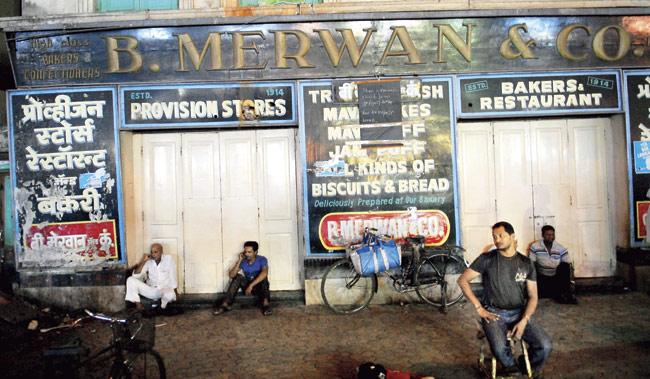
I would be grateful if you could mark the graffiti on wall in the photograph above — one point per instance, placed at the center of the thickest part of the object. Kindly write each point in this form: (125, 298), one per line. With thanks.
(368, 166)
(66, 166)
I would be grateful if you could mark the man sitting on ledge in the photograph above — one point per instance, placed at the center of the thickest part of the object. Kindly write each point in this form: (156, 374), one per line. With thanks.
(253, 279)
(154, 277)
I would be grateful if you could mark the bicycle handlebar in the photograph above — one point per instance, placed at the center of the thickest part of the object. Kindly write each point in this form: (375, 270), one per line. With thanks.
(103, 317)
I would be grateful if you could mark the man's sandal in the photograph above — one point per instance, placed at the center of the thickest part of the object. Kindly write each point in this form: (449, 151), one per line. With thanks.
(220, 310)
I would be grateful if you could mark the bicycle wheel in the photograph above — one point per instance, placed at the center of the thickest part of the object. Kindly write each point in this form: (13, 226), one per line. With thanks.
(430, 276)
(345, 291)
(145, 365)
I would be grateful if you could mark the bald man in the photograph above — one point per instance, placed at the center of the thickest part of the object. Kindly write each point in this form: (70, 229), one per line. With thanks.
(154, 277)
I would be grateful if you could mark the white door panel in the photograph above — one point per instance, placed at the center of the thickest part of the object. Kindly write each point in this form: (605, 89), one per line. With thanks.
(202, 213)
(545, 172)
(595, 253)
(239, 194)
(278, 213)
(476, 183)
(551, 177)
(204, 200)
(514, 178)
(161, 196)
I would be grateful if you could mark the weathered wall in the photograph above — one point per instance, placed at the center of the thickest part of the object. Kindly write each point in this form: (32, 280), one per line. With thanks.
(103, 299)
(230, 7)
(10, 8)
(56, 7)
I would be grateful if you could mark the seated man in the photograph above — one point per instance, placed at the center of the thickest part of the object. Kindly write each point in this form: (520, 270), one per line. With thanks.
(154, 277)
(553, 267)
(255, 270)
(509, 301)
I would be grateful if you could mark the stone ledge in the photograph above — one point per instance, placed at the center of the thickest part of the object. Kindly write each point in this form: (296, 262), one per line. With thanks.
(71, 278)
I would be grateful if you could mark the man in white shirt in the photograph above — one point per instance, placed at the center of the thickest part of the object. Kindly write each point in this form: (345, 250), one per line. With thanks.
(154, 277)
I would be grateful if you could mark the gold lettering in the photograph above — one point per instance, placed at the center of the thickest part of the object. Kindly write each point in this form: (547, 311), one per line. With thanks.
(185, 44)
(238, 48)
(304, 44)
(562, 42)
(624, 43)
(514, 38)
(463, 47)
(113, 54)
(335, 52)
(408, 48)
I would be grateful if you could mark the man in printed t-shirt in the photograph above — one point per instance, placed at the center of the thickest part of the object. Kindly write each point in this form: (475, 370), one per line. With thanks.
(509, 301)
(250, 273)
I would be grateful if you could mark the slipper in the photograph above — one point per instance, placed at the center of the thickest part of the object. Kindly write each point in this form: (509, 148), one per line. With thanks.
(220, 310)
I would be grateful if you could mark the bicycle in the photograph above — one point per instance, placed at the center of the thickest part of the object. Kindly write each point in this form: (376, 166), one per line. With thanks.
(430, 272)
(131, 350)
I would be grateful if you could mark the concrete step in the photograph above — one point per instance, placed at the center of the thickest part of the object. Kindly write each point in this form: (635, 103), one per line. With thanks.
(207, 300)
(604, 285)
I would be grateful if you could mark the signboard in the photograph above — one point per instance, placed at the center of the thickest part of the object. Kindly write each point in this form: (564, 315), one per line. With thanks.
(379, 101)
(66, 177)
(207, 105)
(354, 179)
(637, 85)
(532, 95)
(329, 49)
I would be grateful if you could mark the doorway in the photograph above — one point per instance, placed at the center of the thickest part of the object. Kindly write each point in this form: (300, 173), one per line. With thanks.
(203, 194)
(532, 173)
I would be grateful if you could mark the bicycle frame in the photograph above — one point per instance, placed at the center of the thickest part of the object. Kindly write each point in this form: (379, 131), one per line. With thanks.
(427, 272)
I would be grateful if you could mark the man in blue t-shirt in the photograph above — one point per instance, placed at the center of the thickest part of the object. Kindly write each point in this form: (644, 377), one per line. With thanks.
(250, 273)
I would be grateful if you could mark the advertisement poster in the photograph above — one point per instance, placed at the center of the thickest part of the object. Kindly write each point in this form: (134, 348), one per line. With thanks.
(637, 84)
(66, 176)
(395, 175)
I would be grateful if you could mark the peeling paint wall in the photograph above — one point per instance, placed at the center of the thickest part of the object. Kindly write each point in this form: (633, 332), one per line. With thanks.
(66, 176)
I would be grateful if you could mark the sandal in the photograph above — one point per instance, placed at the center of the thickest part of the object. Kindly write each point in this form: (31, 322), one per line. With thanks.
(220, 310)
(266, 311)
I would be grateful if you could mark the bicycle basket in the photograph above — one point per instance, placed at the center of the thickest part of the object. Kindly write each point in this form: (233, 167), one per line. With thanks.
(138, 334)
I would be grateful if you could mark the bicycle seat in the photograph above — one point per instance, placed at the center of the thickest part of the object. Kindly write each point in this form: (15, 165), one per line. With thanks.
(415, 239)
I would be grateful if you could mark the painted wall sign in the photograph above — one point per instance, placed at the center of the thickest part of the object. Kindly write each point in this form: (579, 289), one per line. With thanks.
(401, 186)
(536, 94)
(637, 99)
(330, 49)
(66, 176)
(207, 105)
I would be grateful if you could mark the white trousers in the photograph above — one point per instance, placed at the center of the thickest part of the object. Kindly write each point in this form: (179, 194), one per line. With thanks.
(136, 287)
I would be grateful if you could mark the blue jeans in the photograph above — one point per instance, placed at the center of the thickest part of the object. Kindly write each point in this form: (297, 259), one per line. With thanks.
(539, 343)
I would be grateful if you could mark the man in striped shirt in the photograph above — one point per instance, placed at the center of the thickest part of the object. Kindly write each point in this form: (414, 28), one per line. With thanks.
(553, 267)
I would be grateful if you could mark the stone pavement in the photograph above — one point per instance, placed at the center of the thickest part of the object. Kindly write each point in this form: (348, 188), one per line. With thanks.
(605, 336)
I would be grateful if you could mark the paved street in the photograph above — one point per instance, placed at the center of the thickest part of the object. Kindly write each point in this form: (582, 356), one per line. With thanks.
(605, 336)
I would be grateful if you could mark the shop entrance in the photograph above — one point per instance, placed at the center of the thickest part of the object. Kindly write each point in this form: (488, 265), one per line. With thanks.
(531, 173)
(204, 194)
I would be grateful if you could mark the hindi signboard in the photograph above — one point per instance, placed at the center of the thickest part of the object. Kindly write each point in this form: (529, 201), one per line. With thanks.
(355, 179)
(66, 177)
(637, 84)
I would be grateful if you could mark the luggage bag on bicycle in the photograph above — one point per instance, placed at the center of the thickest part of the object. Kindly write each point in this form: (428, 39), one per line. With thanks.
(376, 256)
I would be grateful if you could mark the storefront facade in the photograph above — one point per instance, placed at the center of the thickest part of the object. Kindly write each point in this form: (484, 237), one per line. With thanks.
(299, 134)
